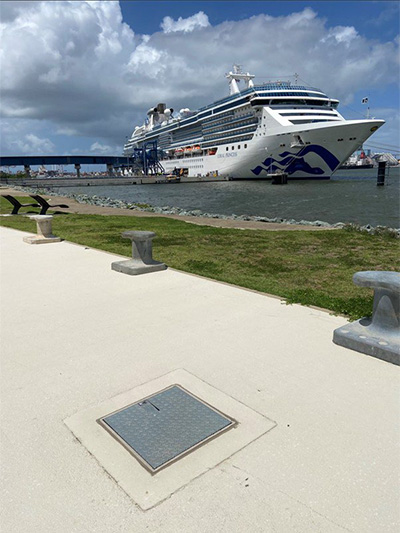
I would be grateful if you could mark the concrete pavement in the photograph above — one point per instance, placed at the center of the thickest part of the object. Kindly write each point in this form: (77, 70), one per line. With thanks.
(317, 444)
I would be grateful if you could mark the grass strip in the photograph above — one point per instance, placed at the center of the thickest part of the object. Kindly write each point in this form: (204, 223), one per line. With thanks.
(306, 267)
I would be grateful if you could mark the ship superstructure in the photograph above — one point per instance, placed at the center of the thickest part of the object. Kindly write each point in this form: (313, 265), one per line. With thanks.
(255, 131)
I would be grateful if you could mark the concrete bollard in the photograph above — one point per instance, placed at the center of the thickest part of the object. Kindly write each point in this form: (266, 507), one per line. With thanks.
(44, 231)
(380, 335)
(78, 170)
(142, 260)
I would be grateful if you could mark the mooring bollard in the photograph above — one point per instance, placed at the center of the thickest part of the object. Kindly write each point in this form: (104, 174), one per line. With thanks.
(381, 173)
(380, 335)
(279, 178)
(44, 231)
(142, 255)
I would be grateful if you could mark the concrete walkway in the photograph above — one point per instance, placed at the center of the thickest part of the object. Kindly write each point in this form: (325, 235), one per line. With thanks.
(317, 444)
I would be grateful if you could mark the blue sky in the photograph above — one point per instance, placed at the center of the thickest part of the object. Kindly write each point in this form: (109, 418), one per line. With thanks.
(373, 19)
(81, 75)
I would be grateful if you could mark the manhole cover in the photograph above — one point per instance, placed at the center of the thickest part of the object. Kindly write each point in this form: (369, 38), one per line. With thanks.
(165, 426)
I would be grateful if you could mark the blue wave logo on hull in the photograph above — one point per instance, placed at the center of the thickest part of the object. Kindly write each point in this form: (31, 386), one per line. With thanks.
(295, 162)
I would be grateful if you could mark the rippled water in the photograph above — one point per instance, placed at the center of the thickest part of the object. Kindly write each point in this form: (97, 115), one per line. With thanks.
(350, 196)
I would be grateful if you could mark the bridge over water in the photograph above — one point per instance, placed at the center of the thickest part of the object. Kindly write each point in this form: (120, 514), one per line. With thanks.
(145, 158)
(111, 162)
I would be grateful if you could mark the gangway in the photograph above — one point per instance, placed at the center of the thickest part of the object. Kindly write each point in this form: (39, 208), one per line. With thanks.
(146, 159)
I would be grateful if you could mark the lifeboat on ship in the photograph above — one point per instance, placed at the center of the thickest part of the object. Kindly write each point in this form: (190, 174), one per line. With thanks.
(179, 152)
(196, 149)
(188, 150)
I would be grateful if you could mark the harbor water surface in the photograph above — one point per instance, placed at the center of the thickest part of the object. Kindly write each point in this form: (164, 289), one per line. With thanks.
(349, 196)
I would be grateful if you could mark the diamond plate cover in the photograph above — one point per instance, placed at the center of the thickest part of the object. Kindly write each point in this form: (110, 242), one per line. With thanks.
(164, 426)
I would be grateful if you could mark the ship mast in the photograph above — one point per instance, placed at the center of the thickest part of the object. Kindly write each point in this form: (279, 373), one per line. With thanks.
(236, 76)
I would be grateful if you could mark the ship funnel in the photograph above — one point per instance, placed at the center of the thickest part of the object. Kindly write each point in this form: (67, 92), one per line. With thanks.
(236, 76)
(161, 108)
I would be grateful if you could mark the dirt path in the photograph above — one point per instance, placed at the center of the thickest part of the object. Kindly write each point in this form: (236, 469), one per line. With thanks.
(87, 209)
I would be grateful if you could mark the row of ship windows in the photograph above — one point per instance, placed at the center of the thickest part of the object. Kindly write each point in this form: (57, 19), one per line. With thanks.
(230, 133)
(216, 122)
(246, 125)
(278, 104)
(248, 116)
(187, 131)
(222, 115)
(314, 120)
(217, 143)
(293, 93)
(238, 147)
(295, 114)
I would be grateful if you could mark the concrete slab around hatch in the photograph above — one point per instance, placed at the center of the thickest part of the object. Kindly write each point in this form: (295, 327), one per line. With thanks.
(148, 490)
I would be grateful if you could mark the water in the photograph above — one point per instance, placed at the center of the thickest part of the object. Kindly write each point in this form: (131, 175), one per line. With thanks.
(349, 196)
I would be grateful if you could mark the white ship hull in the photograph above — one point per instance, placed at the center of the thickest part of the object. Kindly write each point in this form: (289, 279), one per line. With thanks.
(324, 150)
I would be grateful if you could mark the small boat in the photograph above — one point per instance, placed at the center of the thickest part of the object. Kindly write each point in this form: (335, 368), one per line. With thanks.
(196, 149)
(179, 152)
(173, 178)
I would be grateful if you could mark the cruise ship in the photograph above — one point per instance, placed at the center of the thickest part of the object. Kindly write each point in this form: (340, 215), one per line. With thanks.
(256, 131)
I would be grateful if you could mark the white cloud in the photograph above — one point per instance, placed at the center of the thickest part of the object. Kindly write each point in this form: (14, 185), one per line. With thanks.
(67, 131)
(345, 34)
(75, 68)
(296, 20)
(30, 144)
(200, 20)
(342, 34)
(148, 58)
(102, 149)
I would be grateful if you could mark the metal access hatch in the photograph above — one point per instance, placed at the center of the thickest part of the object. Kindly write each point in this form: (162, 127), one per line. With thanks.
(161, 428)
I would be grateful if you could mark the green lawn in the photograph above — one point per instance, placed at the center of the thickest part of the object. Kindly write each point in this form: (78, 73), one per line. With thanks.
(308, 267)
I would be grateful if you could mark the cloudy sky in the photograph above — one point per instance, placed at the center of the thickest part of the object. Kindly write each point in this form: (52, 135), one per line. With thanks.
(76, 77)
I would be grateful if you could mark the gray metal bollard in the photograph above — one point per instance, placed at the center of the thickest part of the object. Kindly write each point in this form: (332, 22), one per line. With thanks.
(44, 231)
(379, 336)
(142, 255)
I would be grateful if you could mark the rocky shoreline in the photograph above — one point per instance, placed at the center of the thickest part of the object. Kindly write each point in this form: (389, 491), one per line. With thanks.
(103, 201)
